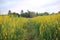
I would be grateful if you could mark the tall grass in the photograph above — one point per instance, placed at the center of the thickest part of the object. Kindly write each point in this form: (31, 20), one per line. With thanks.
(38, 28)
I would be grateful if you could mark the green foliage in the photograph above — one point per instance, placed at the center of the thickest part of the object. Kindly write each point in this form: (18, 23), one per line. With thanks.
(39, 28)
(28, 14)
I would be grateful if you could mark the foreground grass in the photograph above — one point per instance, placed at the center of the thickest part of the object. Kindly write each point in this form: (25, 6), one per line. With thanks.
(38, 28)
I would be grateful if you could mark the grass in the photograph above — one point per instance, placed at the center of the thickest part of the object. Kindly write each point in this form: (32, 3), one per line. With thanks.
(37, 28)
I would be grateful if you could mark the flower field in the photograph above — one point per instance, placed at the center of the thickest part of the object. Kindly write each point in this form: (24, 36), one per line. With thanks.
(37, 28)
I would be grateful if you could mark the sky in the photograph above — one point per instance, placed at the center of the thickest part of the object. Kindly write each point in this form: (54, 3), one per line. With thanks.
(32, 5)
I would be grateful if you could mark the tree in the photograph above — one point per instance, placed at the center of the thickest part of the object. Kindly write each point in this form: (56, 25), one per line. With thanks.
(9, 12)
(58, 11)
(15, 14)
(37, 14)
(27, 14)
(31, 14)
(21, 13)
(52, 13)
(46, 13)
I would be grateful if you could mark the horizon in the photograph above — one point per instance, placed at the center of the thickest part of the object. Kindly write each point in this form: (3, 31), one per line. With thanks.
(32, 5)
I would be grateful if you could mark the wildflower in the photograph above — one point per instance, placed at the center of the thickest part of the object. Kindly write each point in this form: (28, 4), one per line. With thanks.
(12, 30)
(3, 27)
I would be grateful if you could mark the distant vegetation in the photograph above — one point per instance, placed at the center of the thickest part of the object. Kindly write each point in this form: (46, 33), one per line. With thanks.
(28, 14)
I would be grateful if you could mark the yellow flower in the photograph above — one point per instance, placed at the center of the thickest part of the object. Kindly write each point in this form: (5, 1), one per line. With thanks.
(3, 27)
(5, 37)
(12, 30)
(5, 33)
(56, 38)
(11, 36)
(59, 29)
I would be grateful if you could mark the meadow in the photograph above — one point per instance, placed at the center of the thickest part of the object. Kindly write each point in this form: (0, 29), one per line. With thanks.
(37, 28)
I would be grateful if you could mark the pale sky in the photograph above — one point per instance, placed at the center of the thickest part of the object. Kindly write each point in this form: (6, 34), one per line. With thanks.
(32, 5)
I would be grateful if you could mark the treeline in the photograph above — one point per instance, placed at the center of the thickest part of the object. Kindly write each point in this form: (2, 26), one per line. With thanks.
(28, 14)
